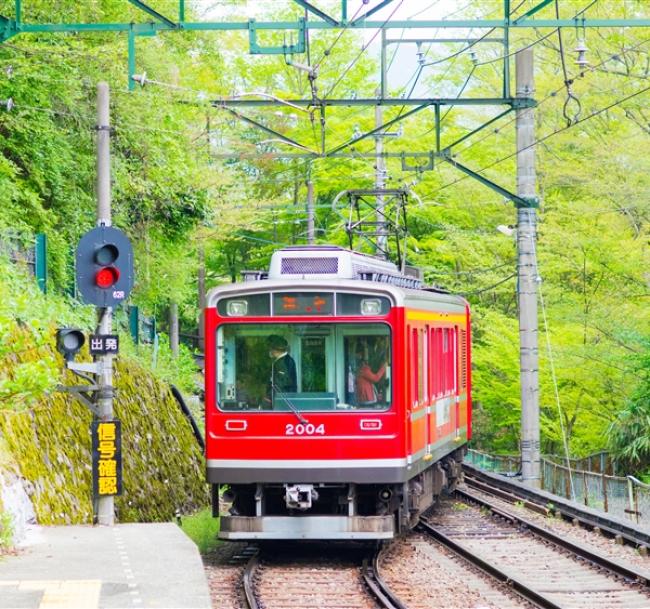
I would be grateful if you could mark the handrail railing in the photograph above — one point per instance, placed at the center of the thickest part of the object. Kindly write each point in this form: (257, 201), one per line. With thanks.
(624, 496)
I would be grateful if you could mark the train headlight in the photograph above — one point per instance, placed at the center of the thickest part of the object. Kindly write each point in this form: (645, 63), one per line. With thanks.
(237, 308)
(370, 306)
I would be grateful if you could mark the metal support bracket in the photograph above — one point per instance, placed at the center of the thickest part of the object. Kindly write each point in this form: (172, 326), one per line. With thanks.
(155, 14)
(285, 49)
(518, 103)
(316, 11)
(92, 368)
(532, 11)
(419, 168)
(516, 199)
(78, 391)
(371, 12)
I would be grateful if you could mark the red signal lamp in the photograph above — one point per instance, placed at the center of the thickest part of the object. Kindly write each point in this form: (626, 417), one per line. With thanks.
(107, 277)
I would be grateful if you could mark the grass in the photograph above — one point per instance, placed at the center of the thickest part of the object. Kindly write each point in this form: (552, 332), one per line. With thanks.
(6, 532)
(202, 529)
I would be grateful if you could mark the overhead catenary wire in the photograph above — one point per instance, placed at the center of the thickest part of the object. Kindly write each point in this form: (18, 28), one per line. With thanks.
(548, 136)
(363, 50)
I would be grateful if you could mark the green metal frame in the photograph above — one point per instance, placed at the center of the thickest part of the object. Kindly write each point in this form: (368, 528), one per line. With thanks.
(316, 11)
(10, 27)
(154, 13)
(134, 323)
(40, 261)
(286, 49)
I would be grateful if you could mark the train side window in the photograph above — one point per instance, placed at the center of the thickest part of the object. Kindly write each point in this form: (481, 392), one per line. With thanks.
(367, 367)
(421, 367)
(431, 364)
(414, 359)
(455, 359)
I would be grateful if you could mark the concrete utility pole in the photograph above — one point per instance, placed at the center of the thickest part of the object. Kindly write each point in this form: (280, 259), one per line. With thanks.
(201, 290)
(380, 182)
(105, 504)
(527, 274)
(310, 212)
(380, 164)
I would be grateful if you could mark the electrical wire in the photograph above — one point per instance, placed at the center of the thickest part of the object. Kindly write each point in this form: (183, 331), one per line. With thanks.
(364, 47)
(489, 288)
(567, 81)
(554, 93)
(548, 136)
(328, 51)
(551, 360)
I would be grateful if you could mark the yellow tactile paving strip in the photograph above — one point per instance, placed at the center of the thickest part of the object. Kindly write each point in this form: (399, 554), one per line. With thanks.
(62, 594)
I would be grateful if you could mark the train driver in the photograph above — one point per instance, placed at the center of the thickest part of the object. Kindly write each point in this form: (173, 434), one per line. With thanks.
(283, 368)
(366, 379)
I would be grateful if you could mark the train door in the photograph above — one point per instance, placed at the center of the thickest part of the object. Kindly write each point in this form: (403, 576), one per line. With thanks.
(456, 394)
(417, 399)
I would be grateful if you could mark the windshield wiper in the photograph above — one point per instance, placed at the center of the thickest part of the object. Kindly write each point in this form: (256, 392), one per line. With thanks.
(289, 404)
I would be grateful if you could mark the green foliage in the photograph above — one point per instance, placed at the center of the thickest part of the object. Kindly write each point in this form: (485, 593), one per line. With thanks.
(180, 371)
(175, 201)
(202, 528)
(26, 325)
(6, 531)
(50, 445)
(629, 433)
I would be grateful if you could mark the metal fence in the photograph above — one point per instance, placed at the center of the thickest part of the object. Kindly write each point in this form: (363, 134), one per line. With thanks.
(622, 496)
(22, 247)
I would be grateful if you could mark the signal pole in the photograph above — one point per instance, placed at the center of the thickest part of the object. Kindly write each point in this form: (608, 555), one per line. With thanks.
(527, 274)
(105, 503)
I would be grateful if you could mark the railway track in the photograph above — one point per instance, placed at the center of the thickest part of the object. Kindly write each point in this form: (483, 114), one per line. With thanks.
(302, 577)
(545, 503)
(546, 569)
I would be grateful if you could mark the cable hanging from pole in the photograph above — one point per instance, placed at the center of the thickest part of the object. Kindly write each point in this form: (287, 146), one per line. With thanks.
(571, 97)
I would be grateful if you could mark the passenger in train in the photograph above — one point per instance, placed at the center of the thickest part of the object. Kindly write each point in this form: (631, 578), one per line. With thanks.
(366, 379)
(283, 368)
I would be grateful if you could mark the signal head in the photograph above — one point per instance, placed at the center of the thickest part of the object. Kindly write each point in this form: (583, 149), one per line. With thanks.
(104, 266)
(107, 276)
(106, 254)
(69, 341)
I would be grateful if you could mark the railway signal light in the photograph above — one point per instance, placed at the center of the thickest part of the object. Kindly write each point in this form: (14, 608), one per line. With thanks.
(104, 266)
(69, 341)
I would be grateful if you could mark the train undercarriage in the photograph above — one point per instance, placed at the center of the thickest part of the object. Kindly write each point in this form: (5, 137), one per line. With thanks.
(332, 510)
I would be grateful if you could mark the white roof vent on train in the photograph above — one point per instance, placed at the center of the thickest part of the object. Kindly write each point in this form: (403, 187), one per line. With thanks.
(333, 262)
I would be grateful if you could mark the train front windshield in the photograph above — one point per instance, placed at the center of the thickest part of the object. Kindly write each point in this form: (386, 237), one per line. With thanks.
(308, 367)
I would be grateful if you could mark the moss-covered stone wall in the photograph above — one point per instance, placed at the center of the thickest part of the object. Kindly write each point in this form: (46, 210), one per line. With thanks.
(49, 444)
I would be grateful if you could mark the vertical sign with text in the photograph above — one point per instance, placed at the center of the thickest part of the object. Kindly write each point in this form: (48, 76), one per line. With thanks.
(107, 458)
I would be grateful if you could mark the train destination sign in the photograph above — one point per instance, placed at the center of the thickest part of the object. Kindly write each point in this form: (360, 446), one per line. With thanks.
(107, 457)
(303, 303)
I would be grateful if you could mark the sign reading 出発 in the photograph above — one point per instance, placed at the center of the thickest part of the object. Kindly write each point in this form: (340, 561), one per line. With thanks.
(107, 458)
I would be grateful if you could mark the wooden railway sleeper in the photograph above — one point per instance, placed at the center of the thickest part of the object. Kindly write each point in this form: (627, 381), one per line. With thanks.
(610, 564)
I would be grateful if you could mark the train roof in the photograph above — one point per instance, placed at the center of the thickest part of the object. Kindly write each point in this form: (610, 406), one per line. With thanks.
(328, 267)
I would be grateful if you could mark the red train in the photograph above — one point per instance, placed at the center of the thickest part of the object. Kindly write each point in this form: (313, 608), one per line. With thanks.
(338, 397)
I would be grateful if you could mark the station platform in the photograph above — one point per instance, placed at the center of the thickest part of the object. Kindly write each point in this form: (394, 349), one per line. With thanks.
(85, 567)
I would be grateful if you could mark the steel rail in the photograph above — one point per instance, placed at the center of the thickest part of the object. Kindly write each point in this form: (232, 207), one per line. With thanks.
(610, 564)
(377, 586)
(531, 595)
(544, 502)
(247, 582)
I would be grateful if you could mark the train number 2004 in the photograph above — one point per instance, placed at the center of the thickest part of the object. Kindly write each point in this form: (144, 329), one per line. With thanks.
(304, 430)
